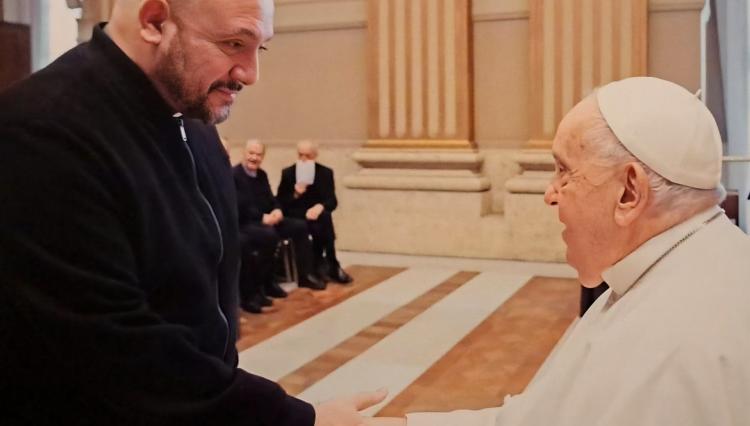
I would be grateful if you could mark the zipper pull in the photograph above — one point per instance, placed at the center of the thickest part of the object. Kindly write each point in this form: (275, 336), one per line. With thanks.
(182, 129)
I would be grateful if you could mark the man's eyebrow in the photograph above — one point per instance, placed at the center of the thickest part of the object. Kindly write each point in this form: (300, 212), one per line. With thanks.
(558, 159)
(243, 32)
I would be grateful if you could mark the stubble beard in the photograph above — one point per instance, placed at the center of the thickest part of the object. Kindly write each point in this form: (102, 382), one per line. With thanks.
(171, 74)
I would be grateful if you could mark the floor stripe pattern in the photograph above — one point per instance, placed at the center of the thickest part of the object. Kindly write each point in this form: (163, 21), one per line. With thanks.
(325, 364)
(292, 348)
(437, 338)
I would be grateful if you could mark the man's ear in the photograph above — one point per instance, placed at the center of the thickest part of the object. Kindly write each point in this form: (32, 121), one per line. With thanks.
(152, 15)
(634, 195)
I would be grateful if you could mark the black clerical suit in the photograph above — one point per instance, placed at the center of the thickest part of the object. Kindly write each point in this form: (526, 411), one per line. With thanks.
(322, 191)
(119, 258)
(259, 241)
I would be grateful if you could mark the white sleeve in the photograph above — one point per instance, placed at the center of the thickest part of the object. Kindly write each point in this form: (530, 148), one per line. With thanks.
(485, 417)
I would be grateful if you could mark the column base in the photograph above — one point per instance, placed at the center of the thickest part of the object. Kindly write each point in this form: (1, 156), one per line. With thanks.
(423, 170)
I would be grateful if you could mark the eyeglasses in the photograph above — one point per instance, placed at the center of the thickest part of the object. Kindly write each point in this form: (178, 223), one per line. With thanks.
(564, 177)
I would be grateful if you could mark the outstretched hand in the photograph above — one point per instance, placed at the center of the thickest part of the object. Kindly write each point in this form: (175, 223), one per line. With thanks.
(345, 411)
(386, 421)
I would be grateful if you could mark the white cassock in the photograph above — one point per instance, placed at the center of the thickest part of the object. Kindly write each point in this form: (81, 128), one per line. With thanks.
(668, 344)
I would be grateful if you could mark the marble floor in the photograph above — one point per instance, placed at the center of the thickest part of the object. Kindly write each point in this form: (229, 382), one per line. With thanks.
(438, 333)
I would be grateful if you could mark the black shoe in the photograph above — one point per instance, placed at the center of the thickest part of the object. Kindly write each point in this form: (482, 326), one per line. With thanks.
(340, 276)
(275, 290)
(321, 272)
(250, 306)
(312, 282)
(261, 300)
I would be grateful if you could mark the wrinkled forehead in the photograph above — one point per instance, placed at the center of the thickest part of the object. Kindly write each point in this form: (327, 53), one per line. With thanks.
(255, 147)
(306, 148)
(569, 139)
(254, 16)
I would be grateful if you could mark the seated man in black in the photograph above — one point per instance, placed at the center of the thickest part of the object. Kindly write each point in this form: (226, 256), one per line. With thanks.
(307, 192)
(262, 225)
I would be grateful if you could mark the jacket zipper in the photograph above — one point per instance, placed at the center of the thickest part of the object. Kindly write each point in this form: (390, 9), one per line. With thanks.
(213, 216)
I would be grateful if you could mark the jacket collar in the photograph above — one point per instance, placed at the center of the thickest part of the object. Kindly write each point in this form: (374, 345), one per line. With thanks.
(126, 78)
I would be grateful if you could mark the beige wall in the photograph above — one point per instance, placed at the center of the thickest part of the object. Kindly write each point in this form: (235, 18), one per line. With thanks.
(674, 47)
(313, 85)
(501, 83)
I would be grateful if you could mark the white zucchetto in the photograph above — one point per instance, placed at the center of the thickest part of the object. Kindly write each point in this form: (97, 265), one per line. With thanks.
(666, 127)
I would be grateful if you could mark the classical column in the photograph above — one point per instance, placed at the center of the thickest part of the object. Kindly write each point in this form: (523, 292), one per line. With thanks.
(420, 85)
(420, 106)
(421, 182)
(575, 46)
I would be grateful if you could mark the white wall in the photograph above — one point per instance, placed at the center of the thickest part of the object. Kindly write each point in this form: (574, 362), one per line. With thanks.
(17, 11)
(53, 27)
(734, 39)
(63, 28)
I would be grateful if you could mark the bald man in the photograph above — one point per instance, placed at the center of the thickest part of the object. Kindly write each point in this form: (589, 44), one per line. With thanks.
(307, 192)
(637, 186)
(118, 229)
(262, 226)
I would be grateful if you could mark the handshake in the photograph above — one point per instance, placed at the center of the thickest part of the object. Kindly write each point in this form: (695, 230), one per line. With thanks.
(346, 411)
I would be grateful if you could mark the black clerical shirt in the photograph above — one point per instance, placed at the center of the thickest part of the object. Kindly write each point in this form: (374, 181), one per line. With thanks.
(254, 196)
(118, 258)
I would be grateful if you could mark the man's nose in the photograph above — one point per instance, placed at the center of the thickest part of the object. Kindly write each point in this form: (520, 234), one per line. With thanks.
(246, 71)
(244, 76)
(550, 195)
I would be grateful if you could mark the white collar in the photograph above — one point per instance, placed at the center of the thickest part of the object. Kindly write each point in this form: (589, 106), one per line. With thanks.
(624, 274)
(251, 173)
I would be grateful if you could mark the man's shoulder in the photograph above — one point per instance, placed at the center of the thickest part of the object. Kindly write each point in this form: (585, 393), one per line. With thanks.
(56, 93)
(322, 167)
(322, 170)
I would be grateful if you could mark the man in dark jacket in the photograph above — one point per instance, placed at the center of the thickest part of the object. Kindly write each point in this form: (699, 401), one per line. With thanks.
(307, 191)
(262, 226)
(118, 229)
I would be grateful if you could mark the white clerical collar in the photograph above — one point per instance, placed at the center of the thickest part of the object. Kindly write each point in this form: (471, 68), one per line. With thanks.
(623, 274)
(251, 173)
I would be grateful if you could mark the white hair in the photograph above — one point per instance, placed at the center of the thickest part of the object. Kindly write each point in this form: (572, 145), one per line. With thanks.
(608, 151)
(306, 142)
(255, 142)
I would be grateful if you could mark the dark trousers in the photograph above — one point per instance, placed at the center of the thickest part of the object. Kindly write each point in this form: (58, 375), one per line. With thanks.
(259, 244)
(296, 230)
(324, 238)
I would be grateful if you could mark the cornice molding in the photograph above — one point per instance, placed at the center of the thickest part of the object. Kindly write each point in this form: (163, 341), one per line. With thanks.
(320, 15)
(675, 5)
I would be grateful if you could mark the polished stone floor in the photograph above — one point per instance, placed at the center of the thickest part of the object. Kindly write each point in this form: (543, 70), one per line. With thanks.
(439, 333)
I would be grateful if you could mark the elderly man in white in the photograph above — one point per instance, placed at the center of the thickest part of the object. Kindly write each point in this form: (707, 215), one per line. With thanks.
(637, 186)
